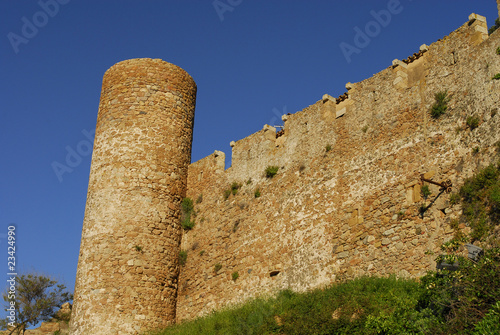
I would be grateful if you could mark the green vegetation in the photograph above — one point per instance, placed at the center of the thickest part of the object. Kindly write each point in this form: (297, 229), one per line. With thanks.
(361, 306)
(36, 299)
(138, 248)
(440, 105)
(493, 28)
(233, 189)
(183, 255)
(459, 300)
(217, 267)
(364, 129)
(472, 122)
(235, 275)
(187, 209)
(257, 193)
(249, 181)
(202, 252)
(481, 202)
(271, 171)
(498, 49)
(454, 199)
(496, 77)
(426, 192)
(328, 147)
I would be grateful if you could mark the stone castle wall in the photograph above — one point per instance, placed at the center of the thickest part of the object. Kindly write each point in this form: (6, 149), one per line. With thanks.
(128, 264)
(353, 209)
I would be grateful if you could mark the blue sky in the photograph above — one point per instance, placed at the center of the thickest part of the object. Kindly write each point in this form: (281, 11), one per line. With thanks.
(252, 60)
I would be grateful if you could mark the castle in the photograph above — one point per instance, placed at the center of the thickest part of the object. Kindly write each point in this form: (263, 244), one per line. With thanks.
(344, 202)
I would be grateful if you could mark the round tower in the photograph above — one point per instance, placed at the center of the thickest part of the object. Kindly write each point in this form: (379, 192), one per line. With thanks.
(128, 265)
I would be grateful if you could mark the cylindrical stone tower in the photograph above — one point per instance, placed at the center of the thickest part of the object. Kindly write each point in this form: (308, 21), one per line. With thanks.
(128, 265)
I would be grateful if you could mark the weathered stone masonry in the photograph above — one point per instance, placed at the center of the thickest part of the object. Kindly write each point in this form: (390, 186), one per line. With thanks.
(344, 203)
(128, 265)
(354, 209)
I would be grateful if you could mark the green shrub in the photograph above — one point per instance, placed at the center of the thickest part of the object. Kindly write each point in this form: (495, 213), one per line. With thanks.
(187, 205)
(235, 187)
(490, 324)
(496, 77)
(138, 248)
(498, 49)
(440, 105)
(481, 201)
(257, 193)
(249, 181)
(271, 171)
(343, 308)
(454, 199)
(472, 122)
(235, 275)
(183, 257)
(217, 267)
(459, 299)
(425, 191)
(187, 209)
(495, 27)
(187, 224)
(202, 252)
(364, 129)
(328, 147)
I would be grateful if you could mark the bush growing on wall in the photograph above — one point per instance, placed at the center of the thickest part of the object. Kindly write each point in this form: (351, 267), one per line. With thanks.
(187, 209)
(271, 171)
(440, 105)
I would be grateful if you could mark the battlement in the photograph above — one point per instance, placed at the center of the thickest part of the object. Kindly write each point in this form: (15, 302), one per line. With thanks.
(298, 140)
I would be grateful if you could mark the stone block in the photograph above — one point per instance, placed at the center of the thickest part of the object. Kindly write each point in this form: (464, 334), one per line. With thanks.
(397, 62)
(477, 17)
(416, 193)
(341, 112)
(328, 97)
(430, 174)
(424, 47)
(50, 327)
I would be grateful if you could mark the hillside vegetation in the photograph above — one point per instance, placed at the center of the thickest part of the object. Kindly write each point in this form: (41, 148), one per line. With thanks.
(466, 301)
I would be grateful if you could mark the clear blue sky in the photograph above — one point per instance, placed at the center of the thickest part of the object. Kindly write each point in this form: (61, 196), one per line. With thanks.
(252, 60)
